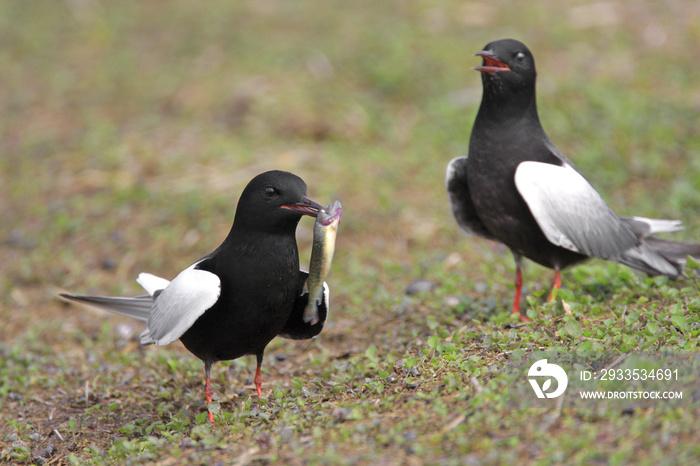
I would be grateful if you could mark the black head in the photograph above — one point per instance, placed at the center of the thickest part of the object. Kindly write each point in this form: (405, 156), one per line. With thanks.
(508, 68)
(274, 202)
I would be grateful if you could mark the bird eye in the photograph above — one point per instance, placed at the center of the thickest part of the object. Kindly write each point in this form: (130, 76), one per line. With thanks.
(520, 56)
(270, 191)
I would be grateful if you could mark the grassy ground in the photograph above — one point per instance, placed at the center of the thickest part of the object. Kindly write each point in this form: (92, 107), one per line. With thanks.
(128, 131)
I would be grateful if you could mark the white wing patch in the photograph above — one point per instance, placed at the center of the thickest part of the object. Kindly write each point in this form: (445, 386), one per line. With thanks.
(538, 183)
(570, 213)
(180, 304)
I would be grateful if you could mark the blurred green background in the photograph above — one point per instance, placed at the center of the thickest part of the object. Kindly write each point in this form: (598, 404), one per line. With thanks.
(129, 129)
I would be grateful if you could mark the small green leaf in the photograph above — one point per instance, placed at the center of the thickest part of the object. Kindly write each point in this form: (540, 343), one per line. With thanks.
(680, 322)
(371, 354)
(573, 328)
(128, 429)
(214, 407)
(584, 347)
(410, 362)
(297, 383)
(692, 263)
(653, 328)
(566, 295)
(172, 364)
(433, 341)
(202, 417)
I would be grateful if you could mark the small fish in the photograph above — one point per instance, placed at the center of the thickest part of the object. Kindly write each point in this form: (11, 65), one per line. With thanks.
(322, 250)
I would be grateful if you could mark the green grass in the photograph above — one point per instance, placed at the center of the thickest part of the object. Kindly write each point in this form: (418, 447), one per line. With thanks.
(128, 131)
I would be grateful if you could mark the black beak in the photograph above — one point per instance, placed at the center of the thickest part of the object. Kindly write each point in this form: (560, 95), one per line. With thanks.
(305, 207)
(491, 63)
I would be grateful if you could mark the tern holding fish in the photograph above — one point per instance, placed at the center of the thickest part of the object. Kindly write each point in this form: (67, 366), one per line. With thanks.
(325, 230)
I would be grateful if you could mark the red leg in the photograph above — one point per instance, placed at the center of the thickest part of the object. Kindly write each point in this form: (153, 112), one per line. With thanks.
(258, 382)
(258, 376)
(208, 391)
(556, 284)
(518, 292)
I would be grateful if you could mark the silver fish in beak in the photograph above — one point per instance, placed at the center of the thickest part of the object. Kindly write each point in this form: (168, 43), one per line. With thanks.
(323, 247)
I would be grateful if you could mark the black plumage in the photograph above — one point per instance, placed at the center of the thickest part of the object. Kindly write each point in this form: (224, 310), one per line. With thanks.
(234, 301)
(517, 188)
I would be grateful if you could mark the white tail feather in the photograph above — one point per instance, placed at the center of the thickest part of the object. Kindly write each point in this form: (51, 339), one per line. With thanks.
(152, 283)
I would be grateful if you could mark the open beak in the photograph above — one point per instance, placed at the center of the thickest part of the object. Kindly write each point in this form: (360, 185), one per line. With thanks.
(491, 64)
(305, 207)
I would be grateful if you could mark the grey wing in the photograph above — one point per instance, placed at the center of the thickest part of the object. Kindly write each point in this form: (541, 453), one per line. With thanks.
(460, 199)
(570, 213)
(180, 304)
(296, 328)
